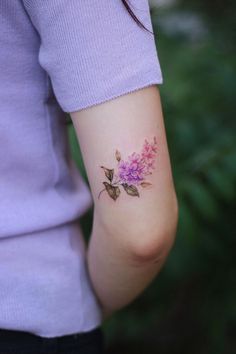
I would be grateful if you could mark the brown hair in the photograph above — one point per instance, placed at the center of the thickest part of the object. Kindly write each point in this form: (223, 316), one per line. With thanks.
(125, 3)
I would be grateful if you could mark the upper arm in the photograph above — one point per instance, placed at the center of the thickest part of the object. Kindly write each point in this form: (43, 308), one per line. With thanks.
(104, 70)
(122, 125)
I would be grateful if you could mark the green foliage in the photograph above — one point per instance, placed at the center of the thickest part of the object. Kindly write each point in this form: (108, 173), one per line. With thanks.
(190, 307)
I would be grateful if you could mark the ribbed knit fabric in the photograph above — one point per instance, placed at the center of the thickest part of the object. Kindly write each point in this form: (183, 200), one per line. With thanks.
(56, 56)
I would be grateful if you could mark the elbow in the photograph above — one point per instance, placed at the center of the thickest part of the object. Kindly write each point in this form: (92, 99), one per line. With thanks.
(154, 242)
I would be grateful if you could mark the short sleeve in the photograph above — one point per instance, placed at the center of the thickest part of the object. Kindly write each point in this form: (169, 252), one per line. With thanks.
(93, 50)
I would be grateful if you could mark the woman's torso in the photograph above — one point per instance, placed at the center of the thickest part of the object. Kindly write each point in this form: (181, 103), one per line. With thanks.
(44, 284)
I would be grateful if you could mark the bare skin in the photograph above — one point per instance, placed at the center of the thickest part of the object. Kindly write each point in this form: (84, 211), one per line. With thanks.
(134, 225)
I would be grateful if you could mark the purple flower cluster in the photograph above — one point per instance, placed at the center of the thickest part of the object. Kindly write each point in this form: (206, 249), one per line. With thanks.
(138, 166)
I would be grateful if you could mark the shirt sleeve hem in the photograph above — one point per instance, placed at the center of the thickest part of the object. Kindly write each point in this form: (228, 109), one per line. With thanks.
(78, 107)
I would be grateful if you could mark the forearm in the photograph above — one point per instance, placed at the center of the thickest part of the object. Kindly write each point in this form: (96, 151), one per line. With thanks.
(117, 276)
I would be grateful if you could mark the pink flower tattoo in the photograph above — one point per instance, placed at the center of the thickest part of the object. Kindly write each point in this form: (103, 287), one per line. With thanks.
(131, 173)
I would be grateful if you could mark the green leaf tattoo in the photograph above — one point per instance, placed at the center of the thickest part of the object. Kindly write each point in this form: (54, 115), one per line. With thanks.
(113, 191)
(108, 173)
(131, 190)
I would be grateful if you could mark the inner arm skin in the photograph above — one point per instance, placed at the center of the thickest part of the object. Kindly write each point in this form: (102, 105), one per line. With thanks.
(119, 275)
(131, 236)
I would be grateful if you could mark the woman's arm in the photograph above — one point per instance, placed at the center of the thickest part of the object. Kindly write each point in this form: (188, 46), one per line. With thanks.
(133, 229)
(94, 51)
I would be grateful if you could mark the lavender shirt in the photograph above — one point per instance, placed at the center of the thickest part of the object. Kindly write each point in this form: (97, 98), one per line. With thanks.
(56, 56)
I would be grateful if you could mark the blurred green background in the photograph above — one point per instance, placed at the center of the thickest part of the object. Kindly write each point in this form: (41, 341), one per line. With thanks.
(190, 307)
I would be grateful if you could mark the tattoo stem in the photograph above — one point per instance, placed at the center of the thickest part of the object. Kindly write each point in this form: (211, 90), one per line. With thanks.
(101, 192)
(113, 183)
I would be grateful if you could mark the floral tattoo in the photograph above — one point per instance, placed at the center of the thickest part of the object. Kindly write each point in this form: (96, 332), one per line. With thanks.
(130, 173)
